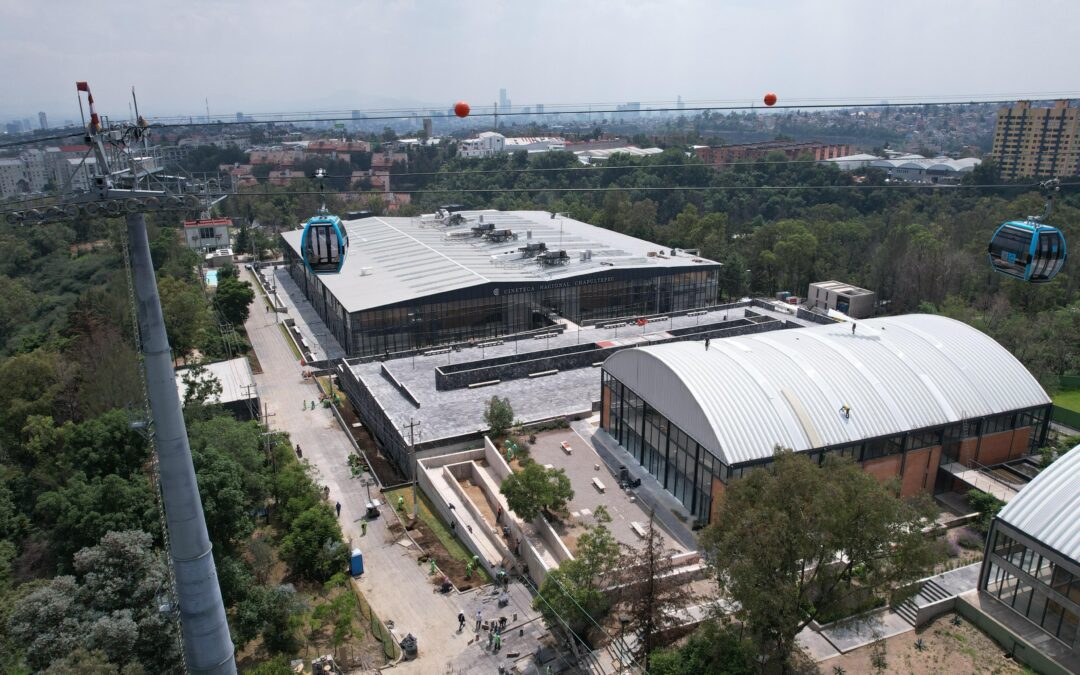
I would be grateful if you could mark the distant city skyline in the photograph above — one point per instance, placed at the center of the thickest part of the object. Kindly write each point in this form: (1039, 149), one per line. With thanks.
(258, 57)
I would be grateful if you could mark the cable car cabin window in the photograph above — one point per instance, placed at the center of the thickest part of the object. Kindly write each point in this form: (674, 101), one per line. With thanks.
(1009, 250)
(1049, 257)
(324, 245)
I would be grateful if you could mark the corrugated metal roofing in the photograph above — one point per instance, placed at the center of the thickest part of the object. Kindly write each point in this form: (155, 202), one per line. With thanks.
(748, 394)
(400, 259)
(1048, 508)
(235, 377)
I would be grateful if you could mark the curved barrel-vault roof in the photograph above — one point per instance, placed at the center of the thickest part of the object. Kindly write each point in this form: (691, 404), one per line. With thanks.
(745, 395)
(1046, 508)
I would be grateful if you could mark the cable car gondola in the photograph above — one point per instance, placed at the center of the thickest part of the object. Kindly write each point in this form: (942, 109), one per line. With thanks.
(324, 244)
(1029, 250)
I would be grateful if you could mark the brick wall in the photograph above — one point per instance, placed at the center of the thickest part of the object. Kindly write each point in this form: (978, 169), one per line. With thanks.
(883, 468)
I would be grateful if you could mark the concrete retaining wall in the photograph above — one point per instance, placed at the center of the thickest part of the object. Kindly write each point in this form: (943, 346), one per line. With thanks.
(927, 613)
(1020, 649)
(389, 376)
(807, 315)
(461, 375)
(452, 473)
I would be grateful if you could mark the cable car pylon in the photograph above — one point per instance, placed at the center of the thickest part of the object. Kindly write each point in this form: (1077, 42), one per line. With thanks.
(124, 183)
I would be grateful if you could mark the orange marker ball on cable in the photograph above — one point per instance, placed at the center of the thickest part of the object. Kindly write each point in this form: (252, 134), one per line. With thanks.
(461, 109)
(770, 99)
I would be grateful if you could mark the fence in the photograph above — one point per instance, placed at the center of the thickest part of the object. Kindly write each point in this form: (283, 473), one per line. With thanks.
(1066, 417)
(378, 629)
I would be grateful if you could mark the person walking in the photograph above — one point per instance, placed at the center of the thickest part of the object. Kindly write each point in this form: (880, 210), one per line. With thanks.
(479, 620)
(299, 454)
(852, 329)
(706, 344)
(337, 507)
(460, 621)
(498, 642)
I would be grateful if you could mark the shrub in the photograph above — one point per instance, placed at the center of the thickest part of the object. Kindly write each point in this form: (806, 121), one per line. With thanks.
(952, 548)
(969, 539)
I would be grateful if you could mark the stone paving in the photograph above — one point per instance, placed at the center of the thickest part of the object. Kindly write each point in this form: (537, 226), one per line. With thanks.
(582, 465)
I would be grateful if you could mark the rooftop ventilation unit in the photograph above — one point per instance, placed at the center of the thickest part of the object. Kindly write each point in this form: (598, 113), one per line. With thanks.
(479, 230)
(532, 249)
(498, 235)
(553, 258)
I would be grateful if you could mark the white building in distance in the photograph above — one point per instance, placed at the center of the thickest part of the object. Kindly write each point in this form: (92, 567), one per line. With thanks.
(491, 143)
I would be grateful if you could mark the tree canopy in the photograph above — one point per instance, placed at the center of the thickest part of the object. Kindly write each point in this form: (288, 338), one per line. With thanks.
(793, 541)
(535, 489)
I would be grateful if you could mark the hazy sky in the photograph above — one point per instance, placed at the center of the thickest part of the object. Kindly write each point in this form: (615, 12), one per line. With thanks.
(286, 55)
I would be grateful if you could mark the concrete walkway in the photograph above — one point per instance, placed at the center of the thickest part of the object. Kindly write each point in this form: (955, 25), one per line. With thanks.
(397, 588)
(981, 480)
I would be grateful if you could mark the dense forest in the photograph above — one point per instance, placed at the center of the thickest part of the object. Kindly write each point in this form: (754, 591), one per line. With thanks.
(83, 577)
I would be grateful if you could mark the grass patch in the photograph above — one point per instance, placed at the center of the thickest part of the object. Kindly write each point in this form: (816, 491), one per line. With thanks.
(288, 340)
(452, 544)
(1068, 399)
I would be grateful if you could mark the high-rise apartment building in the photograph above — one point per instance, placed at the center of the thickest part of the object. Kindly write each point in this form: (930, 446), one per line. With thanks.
(1037, 142)
(43, 120)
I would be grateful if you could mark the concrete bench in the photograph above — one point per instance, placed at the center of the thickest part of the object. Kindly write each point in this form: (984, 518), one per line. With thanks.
(697, 313)
(436, 352)
(598, 485)
(544, 373)
(638, 529)
(566, 447)
(488, 383)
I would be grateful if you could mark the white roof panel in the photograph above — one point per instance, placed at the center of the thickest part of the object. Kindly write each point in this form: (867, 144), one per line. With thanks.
(235, 377)
(1046, 508)
(746, 395)
(394, 260)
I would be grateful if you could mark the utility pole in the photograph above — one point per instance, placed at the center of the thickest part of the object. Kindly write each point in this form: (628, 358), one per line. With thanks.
(411, 426)
(208, 647)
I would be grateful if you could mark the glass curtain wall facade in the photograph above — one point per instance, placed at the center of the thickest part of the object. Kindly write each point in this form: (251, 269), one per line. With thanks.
(492, 310)
(1040, 585)
(681, 464)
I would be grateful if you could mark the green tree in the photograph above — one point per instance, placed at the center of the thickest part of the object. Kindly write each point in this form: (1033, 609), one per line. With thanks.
(110, 605)
(711, 650)
(793, 540)
(499, 415)
(186, 314)
(233, 299)
(652, 594)
(535, 489)
(576, 591)
(83, 511)
(312, 548)
(986, 505)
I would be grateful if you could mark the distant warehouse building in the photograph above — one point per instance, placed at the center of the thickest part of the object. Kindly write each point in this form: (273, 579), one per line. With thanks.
(900, 395)
(411, 283)
(1033, 558)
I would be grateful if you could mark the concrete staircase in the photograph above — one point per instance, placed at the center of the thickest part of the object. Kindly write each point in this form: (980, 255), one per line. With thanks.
(930, 593)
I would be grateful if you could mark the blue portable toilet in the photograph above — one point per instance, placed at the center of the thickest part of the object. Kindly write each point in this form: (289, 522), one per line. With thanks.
(356, 563)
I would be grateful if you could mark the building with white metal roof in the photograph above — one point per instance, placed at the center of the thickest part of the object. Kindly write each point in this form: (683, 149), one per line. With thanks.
(416, 282)
(1033, 561)
(237, 382)
(894, 393)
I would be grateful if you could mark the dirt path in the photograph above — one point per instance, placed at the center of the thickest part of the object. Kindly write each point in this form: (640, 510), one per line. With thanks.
(477, 496)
